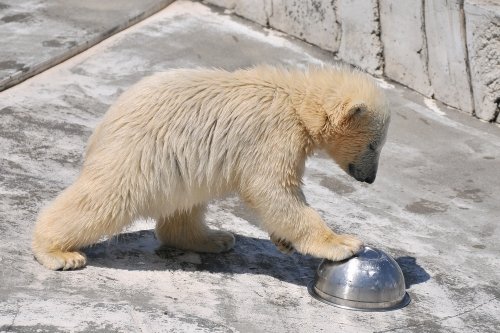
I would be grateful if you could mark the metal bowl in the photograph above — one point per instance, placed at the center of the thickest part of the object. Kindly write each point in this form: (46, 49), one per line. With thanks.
(369, 281)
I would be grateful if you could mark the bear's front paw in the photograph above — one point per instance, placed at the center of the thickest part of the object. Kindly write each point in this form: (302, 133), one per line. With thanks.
(282, 244)
(334, 247)
(343, 247)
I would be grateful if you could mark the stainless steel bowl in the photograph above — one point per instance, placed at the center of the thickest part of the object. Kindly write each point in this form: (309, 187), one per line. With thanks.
(369, 281)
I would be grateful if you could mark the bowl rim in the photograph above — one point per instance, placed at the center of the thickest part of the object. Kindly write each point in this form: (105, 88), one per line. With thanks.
(357, 305)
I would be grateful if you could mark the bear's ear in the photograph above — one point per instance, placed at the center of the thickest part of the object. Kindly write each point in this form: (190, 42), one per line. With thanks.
(355, 110)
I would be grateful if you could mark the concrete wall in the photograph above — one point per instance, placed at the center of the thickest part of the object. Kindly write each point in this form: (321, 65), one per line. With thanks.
(482, 19)
(405, 43)
(446, 49)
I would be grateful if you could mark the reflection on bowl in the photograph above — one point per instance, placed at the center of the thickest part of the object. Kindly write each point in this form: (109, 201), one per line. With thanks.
(369, 281)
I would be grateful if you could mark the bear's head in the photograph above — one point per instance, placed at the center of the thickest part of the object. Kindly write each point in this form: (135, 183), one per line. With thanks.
(358, 138)
(347, 115)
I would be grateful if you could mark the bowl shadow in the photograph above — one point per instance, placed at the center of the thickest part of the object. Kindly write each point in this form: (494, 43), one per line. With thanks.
(412, 271)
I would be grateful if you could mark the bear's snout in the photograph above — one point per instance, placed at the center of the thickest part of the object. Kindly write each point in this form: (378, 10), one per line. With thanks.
(370, 179)
(362, 175)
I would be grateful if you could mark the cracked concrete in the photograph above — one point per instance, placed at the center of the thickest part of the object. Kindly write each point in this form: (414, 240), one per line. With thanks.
(434, 206)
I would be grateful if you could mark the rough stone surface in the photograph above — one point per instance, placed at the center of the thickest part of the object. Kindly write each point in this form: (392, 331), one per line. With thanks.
(405, 46)
(314, 21)
(483, 42)
(434, 206)
(360, 43)
(37, 34)
(446, 45)
(254, 10)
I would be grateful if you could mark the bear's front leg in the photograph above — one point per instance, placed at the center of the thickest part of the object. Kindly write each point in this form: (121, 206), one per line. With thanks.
(305, 231)
(292, 224)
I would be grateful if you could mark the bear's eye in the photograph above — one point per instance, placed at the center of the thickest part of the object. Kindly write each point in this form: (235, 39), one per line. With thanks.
(372, 146)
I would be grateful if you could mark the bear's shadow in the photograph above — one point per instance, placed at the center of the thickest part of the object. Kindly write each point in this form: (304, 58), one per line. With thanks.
(139, 251)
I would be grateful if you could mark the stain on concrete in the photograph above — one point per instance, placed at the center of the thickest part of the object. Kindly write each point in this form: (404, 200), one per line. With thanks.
(3, 6)
(85, 104)
(13, 65)
(474, 194)
(424, 121)
(488, 157)
(426, 207)
(479, 246)
(402, 115)
(70, 44)
(20, 18)
(336, 185)
(475, 145)
(52, 43)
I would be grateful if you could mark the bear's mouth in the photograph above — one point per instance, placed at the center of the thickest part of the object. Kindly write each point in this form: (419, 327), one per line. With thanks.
(360, 176)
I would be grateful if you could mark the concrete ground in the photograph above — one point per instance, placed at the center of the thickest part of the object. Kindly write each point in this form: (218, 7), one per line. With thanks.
(434, 206)
(38, 34)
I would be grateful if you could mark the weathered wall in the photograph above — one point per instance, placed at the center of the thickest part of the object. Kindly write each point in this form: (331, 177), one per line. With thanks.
(360, 42)
(446, 49)
(483, 42)
(405, 43)
(312, 20)
(447, 64)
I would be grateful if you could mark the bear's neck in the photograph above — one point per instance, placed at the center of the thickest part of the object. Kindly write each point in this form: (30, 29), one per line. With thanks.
(309, 107)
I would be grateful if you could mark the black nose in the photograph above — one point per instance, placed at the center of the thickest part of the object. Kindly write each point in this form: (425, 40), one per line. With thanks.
(370, 179)
(360, 176)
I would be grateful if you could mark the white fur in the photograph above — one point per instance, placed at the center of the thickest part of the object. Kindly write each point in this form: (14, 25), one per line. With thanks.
(180, 138)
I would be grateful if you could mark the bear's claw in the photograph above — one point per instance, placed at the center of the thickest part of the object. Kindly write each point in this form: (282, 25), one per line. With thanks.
(282, 244)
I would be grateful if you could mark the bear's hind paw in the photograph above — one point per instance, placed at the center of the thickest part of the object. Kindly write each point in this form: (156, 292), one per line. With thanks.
(60, 260)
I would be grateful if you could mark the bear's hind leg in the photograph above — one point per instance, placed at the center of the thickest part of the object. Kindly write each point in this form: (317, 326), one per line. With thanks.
(77, 218)
(186, 230)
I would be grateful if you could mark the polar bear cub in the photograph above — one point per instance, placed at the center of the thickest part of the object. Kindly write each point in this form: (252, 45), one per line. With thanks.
(177, 139)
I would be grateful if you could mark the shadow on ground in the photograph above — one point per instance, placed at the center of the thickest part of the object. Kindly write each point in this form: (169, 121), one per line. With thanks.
(413, 272)
(139, 251)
